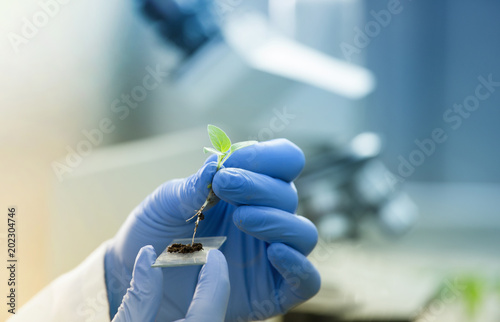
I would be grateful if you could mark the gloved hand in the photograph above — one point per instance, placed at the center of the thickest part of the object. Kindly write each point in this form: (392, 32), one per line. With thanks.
(266, 242)
(143, 298)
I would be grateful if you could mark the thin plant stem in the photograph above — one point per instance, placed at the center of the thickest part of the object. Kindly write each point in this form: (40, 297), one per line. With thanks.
(195, 228)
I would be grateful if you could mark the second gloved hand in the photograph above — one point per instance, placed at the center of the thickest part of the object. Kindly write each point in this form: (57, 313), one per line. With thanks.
(143, 298)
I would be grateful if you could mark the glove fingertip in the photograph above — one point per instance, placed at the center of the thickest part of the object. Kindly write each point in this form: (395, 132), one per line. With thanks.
(295, 157)
(147, 254)
(208, 171)
(302, 278)
(216, 261)
(215, 254)
(143, 270)
(212, 158)
(142, 299)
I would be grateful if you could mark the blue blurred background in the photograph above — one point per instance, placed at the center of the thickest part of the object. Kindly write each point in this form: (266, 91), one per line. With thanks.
(425, 62)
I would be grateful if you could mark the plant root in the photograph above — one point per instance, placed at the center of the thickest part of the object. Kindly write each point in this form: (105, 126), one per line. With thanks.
(211, 200)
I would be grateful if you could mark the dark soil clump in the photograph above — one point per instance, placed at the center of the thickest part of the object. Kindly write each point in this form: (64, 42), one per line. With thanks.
(184, 249)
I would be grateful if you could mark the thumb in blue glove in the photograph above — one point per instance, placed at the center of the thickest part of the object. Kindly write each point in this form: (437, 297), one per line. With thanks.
(143, 298)
(212, 292)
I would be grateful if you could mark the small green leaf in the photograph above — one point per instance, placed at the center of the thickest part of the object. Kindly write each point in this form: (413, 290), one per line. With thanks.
(241, 145)
(211, 150)
(219, 138)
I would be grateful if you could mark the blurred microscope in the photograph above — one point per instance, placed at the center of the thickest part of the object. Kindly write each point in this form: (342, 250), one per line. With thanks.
(240, 59)
(343, 186)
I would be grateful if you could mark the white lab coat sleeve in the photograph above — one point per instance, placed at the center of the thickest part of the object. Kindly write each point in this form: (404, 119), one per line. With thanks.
(79, 295)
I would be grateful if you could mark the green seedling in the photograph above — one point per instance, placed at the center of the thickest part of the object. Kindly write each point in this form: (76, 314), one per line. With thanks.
(223, 148)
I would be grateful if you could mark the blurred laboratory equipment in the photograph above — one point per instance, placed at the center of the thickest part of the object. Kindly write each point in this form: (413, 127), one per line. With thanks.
(343, 187)
(238, 61)
(228, 50)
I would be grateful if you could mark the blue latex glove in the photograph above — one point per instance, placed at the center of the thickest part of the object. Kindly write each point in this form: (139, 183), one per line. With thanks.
(266, 245)
(143, 298)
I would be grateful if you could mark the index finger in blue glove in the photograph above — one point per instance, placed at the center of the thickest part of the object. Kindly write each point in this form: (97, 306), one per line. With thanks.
(299, 278)
(212, 292)
(242, 187)
(279, 158)
(142, 300)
